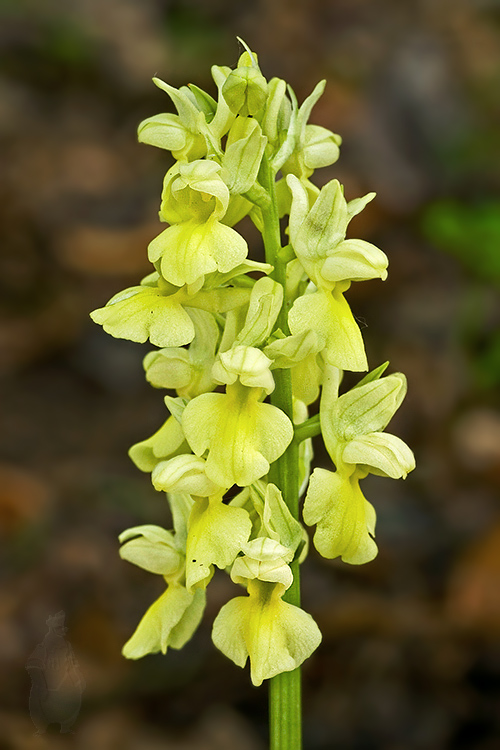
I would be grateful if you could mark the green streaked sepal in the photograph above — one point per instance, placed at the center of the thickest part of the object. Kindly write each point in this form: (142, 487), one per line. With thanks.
(223, 117)
(203, 101)
(288, 116)
(276, 118)
(181, 505)
(306, 451)
(176, 406)
(187, 110)
(237, 275)
(364, 409)
(278, 522)
(374, 374)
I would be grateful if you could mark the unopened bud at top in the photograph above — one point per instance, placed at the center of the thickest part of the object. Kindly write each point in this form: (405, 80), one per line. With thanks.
(245, 89)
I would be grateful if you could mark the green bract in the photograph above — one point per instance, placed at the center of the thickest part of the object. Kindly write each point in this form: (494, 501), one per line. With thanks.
(247, 349)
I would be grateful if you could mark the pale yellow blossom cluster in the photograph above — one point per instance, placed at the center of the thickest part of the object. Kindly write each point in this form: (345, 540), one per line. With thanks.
(213, 315)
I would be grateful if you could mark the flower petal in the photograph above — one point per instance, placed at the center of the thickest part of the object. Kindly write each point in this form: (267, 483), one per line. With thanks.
(184, 473)
(355, 260)
(164, 131)
(217, 532)
(152, 548)
(242, 435)
(169, 440)
(366, 408)
(194, 190)
(333, 320)
(343, 516)
(170, 621)
(321, 147)
(290, 350)
(187, 371)
(277, 636)
(143, 312)
(266, 560)
(190, 249)
(248, 364)
(168, 368)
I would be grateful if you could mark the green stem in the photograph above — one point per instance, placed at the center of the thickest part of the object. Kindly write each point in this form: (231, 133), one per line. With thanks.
(308, 429)
(285, 710)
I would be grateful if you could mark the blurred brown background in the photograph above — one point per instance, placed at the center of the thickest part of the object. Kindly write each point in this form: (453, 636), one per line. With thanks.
(411, 652)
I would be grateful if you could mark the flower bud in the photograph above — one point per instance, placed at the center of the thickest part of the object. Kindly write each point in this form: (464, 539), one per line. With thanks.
(278, 110)
(245, 91)
(321, 147)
